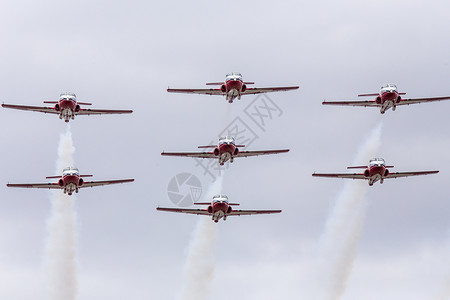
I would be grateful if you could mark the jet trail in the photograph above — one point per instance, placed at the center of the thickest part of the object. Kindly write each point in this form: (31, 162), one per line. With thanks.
(61, 247)
(338, 245)
(200, 264)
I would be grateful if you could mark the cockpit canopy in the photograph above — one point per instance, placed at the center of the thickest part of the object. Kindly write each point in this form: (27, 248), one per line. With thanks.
(233, 75)
(227, 140)
(390, 87)
(377, 162)
(220, 198)
(71, 171)
(67, 96)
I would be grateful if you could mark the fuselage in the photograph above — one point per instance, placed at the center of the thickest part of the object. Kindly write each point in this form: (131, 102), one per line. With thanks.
(376, 171)
(219, 208)
(388, 97)
(226, 150)
(70, 180)
(233, 86)
(67, 106)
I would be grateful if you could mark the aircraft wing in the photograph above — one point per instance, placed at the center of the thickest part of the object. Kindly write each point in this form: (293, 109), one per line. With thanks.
(352, 103)
(252, 212)
(185, 210)
(87, 111)
(406, 174)
(421, 100)
(250, 91)
(106, 182)
(261, 152)
(197, 91)
(49, 110)
(35, 185)
(341, 175)
(191, 154)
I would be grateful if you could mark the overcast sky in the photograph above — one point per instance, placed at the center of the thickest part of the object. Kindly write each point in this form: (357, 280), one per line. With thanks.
(124, 55)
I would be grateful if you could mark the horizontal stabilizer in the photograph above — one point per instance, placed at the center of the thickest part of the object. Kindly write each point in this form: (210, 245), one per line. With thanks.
(53, 177)
(209, 146)
(357, 167)
(242, 146)
(51, 102)
(84, 103)
(365, 95)
(214, 83)
(248, 82)
(86, 175)
(202, 203)
(388, 166)
(402, 93)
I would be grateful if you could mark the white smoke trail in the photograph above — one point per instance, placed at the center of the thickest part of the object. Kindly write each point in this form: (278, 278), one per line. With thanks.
(338, 245)
(60, 261)
(200, 264)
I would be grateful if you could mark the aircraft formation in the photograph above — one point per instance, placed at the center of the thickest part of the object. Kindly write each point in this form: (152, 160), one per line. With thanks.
(70, 180)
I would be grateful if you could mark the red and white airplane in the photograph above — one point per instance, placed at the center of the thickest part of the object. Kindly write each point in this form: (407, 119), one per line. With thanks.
(376, 171)
(218, 208)
(224, 151)
(67, 108)
(70, 181)
(233, 87)
(388, 97)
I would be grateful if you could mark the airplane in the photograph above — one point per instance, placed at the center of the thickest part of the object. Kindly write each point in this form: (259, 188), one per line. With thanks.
(233, 87)
(225, 150)
(70, 181)
(376, 171)
(219, 208)
(67, 108)
(388, 97)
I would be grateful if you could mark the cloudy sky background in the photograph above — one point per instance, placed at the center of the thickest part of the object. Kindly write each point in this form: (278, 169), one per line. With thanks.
(124, 55)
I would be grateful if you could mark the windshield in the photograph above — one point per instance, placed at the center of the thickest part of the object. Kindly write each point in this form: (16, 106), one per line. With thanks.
(389, 87)
(234, 75)
(377, 162)
(227, 140)
(67, 96)
(70, 171)
(220, 198)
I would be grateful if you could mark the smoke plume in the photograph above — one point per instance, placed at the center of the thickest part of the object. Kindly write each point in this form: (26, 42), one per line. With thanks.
(338, 245)
(200, 264)
(60, 255)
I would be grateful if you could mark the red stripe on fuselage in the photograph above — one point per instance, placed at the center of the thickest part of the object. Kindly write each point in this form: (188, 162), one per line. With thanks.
(234, 85)
(67, 179)
(224, 148)
(220, 207)
(377, 170)
(67, 104)
(387, 96)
